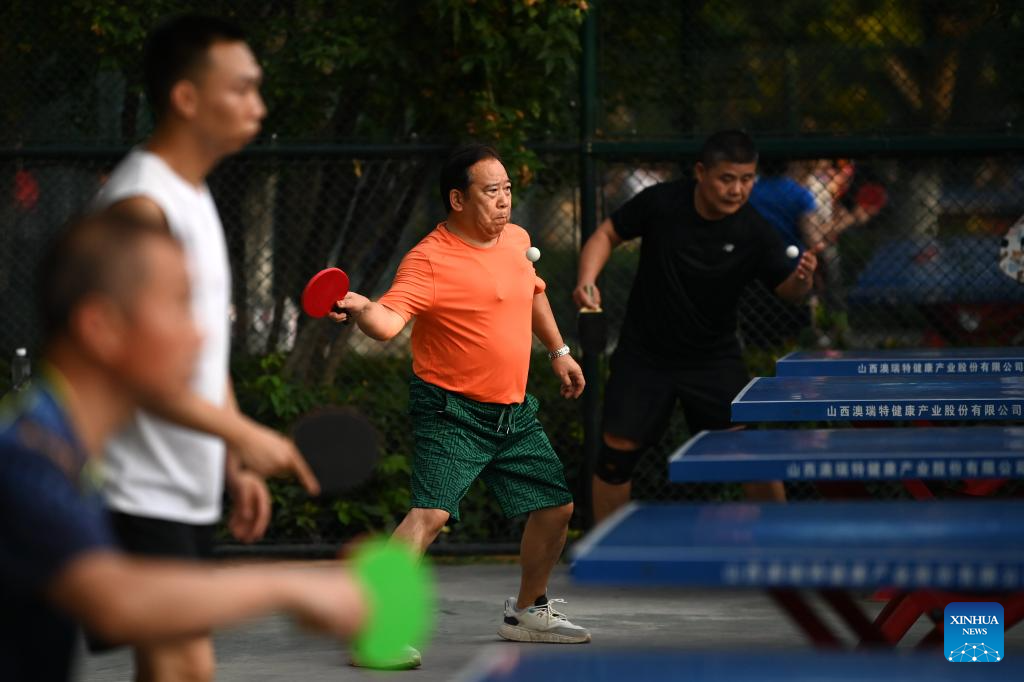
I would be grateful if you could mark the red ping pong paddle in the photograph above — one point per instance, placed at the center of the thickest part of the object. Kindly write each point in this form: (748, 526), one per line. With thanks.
(341, 446)
(872, 197)
(323, 291)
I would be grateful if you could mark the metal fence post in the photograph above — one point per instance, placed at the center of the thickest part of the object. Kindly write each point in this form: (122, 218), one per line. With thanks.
(591, 362)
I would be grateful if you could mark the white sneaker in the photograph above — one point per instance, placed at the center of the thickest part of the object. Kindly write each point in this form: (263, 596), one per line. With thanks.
(540, 623)
(409, 659)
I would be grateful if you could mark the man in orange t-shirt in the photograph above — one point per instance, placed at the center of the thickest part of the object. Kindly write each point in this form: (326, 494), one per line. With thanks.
(476, 298)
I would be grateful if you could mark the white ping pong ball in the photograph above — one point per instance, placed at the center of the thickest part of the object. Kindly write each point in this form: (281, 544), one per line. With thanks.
(533, 254)
(792, 251)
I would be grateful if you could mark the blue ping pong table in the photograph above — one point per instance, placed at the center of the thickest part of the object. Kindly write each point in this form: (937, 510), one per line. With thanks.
(505, 663)
(941, 453)
(780, 399)
(936, 272)
(916, 362)
(950, 281)
(932, 553)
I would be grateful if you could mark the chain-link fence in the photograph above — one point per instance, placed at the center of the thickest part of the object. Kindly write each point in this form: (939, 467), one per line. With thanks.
(912, 249)
(895, 123)
(911, 258)
(850, 67)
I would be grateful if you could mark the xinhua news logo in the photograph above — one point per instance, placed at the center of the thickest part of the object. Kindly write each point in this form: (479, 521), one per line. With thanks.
(974, 632)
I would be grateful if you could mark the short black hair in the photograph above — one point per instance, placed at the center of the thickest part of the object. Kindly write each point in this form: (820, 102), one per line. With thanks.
(730, 146)
(176, 49)
(92, 254)
(455, 171)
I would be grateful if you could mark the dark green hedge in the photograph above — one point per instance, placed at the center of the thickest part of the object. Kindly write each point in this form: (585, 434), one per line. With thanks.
(378, 387)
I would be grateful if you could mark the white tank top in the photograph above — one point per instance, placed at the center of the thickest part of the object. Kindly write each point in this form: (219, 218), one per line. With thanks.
(154, 468)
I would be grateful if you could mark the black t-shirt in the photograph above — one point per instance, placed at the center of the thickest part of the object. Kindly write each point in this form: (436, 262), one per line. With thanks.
(682, 307)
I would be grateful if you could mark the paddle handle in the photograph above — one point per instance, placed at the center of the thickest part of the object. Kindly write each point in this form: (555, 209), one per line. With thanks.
(336, 308)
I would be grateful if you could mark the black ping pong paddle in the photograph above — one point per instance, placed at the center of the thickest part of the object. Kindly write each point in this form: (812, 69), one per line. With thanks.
(341, 446)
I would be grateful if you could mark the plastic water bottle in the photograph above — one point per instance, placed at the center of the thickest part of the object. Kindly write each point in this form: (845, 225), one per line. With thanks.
(21, 370)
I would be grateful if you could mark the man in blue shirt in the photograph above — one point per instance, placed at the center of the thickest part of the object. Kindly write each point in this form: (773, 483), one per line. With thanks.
(788, 205)
(114, 302)
(792, 209)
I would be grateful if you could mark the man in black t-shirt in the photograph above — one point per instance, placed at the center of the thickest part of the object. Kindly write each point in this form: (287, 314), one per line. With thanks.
(702, 245)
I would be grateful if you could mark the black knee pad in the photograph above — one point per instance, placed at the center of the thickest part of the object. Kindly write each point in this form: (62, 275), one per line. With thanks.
(616, 466)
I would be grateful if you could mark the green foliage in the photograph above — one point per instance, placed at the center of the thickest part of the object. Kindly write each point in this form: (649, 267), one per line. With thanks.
(378, 387)
(276, 400)
(805, 66)
(834, 324)
(265, 393)
(511, 61)
(389, 70)
(416, 70)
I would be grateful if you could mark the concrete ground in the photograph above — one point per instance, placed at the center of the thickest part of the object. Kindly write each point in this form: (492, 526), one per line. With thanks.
(471, 598)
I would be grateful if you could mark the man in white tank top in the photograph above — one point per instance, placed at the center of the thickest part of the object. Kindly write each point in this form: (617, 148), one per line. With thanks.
(166, 473)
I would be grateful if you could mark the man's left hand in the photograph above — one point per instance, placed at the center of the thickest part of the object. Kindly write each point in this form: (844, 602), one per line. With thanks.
(808, 263)
(250, 506)
(570, 375)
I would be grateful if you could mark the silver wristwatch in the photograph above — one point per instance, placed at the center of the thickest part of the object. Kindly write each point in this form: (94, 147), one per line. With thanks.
(558, 352)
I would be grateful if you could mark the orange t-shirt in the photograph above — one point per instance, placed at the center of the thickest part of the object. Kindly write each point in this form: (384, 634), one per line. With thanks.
(474, 313)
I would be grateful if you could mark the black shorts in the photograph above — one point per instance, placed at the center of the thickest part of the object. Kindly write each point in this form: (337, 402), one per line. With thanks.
(640, 396)
(156, 538)
(159, 538)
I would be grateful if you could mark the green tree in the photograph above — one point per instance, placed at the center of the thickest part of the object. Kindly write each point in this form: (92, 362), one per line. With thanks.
(390, 71)
(803, 66)
(372, 71)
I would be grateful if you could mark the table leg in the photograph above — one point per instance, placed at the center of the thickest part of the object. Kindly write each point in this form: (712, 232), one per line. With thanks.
(918, 489)
(898, 616)
(934, 639)
(793, 603)
(844, 605)
(974, 487)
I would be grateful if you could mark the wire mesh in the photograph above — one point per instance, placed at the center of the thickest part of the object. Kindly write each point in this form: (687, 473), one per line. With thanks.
(846, 67)
(911, 237)
(913, 260)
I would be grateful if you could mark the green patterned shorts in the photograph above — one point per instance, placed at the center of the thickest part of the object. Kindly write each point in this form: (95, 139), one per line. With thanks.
(458, 440)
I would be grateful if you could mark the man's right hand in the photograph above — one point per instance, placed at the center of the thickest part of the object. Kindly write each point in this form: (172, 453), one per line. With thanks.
(329, 600)
(587, 295)
(352, 305)
(268, 453)
(375, 320)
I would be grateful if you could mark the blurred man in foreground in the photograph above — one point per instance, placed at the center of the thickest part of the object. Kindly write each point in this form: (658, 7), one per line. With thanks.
(114, 301)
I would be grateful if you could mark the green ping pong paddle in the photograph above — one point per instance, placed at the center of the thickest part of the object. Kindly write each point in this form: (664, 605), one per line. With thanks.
(400, 589)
